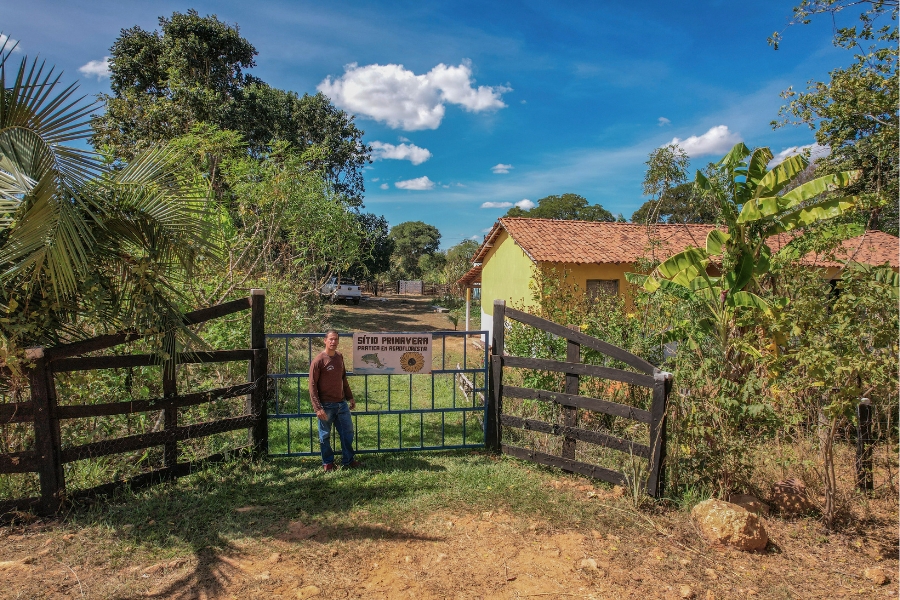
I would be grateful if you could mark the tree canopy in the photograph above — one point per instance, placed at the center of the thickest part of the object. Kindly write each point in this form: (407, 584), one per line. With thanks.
(413, 240)
(855, 113)
(194, 71)
(680, 204)
(569, 207)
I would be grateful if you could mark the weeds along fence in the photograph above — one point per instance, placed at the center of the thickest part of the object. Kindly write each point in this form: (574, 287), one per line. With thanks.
(568, 418)
(56, 430)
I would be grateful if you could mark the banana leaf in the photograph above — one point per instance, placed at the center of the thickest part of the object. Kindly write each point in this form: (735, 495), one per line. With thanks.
(715, 241)
(812, 214)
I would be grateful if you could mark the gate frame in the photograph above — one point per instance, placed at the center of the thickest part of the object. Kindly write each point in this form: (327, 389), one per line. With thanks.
(651, 377)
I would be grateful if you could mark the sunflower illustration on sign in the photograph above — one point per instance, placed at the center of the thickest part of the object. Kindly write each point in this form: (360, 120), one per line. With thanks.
(412, 362)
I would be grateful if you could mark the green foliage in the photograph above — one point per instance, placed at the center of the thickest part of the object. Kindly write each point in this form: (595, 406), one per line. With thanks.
(84, 247)
(376, 248)
(854, 113)
(413, 240)
(679, 204)
(570, 207)
(165, 83)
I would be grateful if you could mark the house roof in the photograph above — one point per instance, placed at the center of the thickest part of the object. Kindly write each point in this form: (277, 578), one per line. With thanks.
(591, 242)
(588, 242)
(472, 277)
(872, 248)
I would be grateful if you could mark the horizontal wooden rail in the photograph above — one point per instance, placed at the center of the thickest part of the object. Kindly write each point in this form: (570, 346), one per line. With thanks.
(558, 366)
(90, 363)
(591, 437)
(114, 339)
(19, 462)
(156, 438)
(594, 404)
(568, 464)
(16, 412)
(584, 340)
(133, 406)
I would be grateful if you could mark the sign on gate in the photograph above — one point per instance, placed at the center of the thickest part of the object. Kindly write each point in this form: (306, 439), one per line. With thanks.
(391, 353)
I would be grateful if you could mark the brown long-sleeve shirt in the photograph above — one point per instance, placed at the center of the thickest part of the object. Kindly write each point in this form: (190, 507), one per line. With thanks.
(328, 380)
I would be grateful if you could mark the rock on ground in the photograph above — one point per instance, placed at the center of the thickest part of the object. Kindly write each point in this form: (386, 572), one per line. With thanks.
(751, 503)
(729, 524)
(790, 497)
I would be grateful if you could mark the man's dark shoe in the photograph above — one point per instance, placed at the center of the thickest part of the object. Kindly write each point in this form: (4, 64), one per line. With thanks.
(329, 467)
(354, 465)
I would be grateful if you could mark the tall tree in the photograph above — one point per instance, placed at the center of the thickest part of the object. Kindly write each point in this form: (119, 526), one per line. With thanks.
(413, 240)
(680, 204)
(855, 112)
(569, 207)
(193, 71)
(376, 248)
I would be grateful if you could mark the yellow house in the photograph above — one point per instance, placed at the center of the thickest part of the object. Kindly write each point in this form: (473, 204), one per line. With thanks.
(596, 255)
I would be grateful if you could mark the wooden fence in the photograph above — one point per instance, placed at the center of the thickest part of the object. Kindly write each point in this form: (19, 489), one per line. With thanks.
(570, 401)
(45, 413)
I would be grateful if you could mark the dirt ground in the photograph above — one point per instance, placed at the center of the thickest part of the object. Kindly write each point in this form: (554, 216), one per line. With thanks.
(460, 556)
(394, 313)
(446, 554)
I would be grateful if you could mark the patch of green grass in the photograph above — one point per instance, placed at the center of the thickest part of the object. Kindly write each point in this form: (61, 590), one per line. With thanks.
(255, 499)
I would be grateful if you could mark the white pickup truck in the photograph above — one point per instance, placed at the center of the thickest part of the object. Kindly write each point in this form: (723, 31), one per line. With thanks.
(337, 290)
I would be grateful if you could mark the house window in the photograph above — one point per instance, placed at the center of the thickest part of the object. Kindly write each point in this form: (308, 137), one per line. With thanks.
(602, 287)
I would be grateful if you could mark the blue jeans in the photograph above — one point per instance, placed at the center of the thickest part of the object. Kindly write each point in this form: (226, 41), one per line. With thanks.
(337, 414)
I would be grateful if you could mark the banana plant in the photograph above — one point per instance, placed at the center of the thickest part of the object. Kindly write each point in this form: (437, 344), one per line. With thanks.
(727, 273)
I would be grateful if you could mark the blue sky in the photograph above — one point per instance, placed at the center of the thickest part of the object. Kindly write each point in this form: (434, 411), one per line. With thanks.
(494, 103)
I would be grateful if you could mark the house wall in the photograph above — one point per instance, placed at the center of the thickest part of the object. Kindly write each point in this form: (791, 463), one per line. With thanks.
(578, 274)
(505, 275)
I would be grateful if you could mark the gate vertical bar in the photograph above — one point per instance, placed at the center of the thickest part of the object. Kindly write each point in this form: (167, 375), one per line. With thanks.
(570, 413)
(661, 386)
(170, 391)
(259, 372)
(46, 433)
(864, 443)
(492, 434)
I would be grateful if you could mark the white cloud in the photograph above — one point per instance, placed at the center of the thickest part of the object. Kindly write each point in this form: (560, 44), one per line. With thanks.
(501, 168)
(815, 151)
(474, 238)
(663, 121)
(98, 68)
(487, 230)
(384, 186)
(409, 152)
(717, 140)
(396, 96)
(525, 204)
(419, 183)
(402, 138)
(7, 42)
(496, 205)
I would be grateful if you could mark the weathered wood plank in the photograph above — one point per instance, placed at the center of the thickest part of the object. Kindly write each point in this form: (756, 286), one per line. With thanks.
(146, 360)
(19, 462)
(657, 477)
(123, 408)
(259, 366)
(102, 342)
(591, 437)
(16, 412)
(566, 464)
(156, 438)
(543, 364)
(46, 437)
(594, 404)
(585, 340)
(570, 413)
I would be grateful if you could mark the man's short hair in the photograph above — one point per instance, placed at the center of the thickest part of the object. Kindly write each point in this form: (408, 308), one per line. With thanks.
(334, 331)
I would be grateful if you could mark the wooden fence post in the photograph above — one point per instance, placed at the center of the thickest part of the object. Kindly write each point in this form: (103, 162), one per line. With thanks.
(492, 434)
(570, 413)
(259, 371)
(661, 387)
(170, 391)
(46, 433)
(864, 443)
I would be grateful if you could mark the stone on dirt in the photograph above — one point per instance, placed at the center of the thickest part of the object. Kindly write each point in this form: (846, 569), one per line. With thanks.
(876, 575)
(589, 563)
(790, 497)
(751, 503)
(730, 525)
(686, 592)
(308, 592)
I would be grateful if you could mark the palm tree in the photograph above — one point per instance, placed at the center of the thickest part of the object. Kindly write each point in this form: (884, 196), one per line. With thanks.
(86, 245)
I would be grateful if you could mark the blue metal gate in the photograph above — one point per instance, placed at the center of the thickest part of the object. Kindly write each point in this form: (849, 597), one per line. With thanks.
(394, 413)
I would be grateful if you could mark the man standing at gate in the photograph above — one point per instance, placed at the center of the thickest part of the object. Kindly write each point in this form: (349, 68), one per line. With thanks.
(329, 392)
